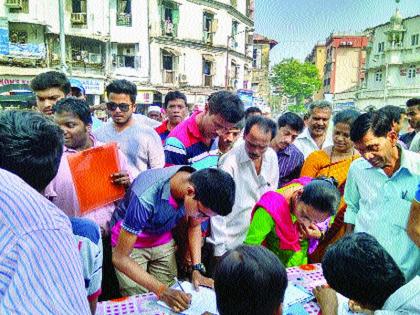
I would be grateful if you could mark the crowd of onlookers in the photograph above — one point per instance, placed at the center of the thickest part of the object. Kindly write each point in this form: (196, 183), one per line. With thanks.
(223, 196)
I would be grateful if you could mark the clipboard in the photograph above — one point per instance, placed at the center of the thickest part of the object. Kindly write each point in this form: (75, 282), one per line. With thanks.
(91, 171)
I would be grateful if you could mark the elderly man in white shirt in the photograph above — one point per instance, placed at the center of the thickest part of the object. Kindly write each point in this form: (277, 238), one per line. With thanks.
(315, 136)
(254, 168)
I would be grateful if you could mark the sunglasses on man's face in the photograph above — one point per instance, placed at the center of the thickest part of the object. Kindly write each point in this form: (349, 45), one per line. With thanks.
(122, 106)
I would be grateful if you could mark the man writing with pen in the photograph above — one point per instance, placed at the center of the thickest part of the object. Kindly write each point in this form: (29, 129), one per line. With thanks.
(158, 199)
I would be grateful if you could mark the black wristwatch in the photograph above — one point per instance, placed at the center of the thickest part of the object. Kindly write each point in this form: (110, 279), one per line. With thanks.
(200, 267)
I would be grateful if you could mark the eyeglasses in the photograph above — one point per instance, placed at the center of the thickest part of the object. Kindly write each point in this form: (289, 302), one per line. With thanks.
(122, 106)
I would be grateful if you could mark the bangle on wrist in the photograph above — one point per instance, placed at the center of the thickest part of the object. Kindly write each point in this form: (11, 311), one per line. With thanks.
(162, 288)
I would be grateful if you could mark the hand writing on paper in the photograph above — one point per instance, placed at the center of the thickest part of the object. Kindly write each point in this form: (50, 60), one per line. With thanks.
(177, 300)
(198, 279)
(327, 299)
(121, 178)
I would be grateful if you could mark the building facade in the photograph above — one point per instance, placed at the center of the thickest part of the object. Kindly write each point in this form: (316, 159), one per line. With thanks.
(318, 57)
(200, 46)
(393, 63)
(197, 46)
(345, 58)
(261, 66)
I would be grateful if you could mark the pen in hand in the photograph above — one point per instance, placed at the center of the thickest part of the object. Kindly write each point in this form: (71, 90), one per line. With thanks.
(179, 284)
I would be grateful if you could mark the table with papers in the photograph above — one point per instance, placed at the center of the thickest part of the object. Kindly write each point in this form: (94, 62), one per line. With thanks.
(306, 276)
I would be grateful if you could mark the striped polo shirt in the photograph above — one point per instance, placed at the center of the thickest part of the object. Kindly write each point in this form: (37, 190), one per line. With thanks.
(185, 146)
(40, 268)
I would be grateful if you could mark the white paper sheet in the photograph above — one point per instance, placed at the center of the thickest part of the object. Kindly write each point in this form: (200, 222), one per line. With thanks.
(295, 295)
(202, 301)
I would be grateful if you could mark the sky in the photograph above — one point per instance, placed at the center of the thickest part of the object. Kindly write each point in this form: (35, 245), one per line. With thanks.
(297, 25)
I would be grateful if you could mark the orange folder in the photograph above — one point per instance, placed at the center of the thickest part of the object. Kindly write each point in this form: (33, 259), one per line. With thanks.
(91, 170)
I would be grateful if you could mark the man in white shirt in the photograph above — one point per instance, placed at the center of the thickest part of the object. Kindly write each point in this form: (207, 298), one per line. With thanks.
(253, 166)
(315, 136)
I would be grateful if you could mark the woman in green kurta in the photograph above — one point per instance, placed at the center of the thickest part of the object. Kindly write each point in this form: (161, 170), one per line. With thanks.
(290, 220)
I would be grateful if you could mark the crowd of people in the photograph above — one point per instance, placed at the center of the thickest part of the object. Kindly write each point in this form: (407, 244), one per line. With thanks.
(222, 196)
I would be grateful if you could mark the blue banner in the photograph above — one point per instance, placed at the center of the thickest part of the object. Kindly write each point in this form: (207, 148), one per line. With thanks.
(4, 41)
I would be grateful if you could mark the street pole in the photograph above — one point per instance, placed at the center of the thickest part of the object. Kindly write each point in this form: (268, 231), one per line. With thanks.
(227, 63)
(63, 65)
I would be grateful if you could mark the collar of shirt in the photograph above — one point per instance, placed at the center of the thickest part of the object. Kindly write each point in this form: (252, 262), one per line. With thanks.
(406, 162)
(287, 150)
(244, 158)
(163, 127)
(92, 137)
(403, 295)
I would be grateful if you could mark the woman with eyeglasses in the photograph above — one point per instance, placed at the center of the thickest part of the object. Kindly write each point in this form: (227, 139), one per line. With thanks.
(334, 161)
(291, 220)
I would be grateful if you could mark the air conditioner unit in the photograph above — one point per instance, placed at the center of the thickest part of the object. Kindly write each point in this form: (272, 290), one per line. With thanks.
(349, 43)
(182, 77)
(343, 43)
(78, 18)
(95, 58)
(14, 4)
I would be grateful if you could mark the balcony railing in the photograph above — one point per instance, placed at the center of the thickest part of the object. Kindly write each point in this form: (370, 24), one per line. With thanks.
(79, 18)
(14, 4)
(208, 37)
(169, 76)
(208, 80)
(124, 19)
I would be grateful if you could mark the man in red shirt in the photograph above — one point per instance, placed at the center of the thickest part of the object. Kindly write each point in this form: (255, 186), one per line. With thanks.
(176, 110)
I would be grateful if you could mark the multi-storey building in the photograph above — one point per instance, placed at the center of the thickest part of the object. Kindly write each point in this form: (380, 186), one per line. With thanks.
(393, 63)
(345, 58)
(318, 57)
(261, 66)
(197, 46)
(200, 46)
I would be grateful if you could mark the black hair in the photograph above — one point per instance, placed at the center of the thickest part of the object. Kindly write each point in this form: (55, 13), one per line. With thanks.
(292, 120)
(413, 102)
(75, 106)
(251, 110)
(377, 121)
(215, 189)
(122, 87)
(31, 147)
(393, 112)
(359, 268)
(265, 124)
(240, 124)
(227, 105)
(347, 116)
(51, 79)
(174, 95)
(249, 280)
(322, 194)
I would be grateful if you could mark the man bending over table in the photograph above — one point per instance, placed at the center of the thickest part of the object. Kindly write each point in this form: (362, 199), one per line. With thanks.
(155, 203)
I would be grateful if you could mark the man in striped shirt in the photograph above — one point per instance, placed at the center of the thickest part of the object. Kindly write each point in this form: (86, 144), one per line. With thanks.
(40, 268)
(289, 157)
(194, 141)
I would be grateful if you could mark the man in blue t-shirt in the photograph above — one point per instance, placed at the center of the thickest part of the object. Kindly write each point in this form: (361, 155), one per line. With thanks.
(155, 203)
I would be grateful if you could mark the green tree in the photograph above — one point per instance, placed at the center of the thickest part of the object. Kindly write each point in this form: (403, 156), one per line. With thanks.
(295, 79)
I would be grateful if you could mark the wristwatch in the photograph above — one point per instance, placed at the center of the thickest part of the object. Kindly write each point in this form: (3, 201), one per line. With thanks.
(200, 267)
